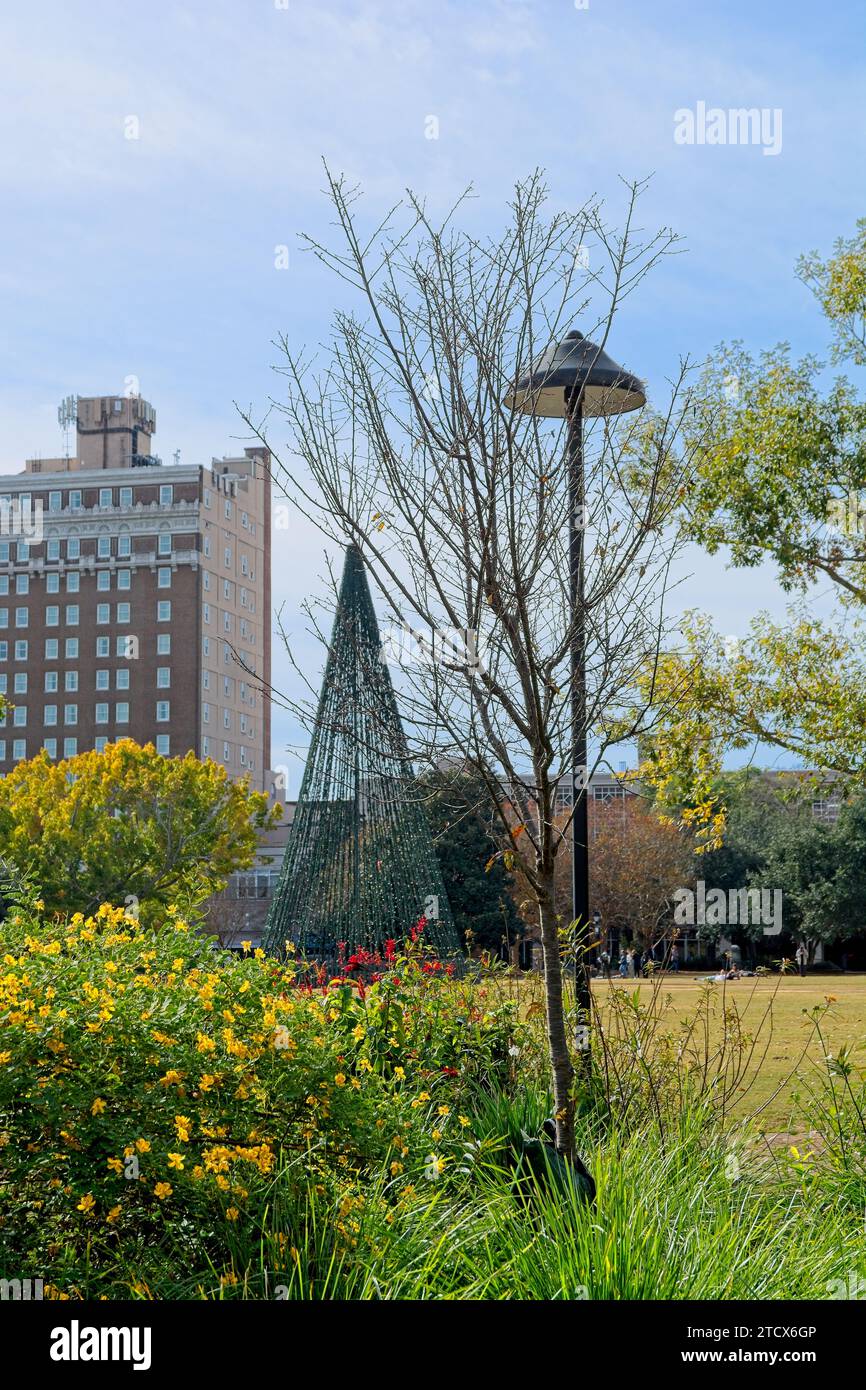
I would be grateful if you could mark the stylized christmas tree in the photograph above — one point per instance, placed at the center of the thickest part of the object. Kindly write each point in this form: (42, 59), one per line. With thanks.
(360, 866)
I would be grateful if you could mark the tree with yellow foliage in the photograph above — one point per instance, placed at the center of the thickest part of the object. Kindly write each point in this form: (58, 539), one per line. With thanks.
(127, 826)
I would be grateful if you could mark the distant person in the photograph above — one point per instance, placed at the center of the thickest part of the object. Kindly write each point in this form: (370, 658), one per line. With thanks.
(632, 964)
(623, 964)
(675, 959)
(604, 961)
(802, 956)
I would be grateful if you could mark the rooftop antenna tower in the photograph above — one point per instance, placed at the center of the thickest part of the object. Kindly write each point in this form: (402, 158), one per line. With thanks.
(67, 416)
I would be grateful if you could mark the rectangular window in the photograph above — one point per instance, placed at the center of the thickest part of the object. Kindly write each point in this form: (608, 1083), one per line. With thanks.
(103, 547)
(71, 649)
(163, 577)
(206, 612)
(121, 712)
(19, 749)
(22, 617)
(227, 559)
(102, 646)
(101, 743)
(75, 499)
(4, 651)
(72, 615)
(49, 715)
(205, 713)
(162, 745)
(51, 648)
(4, 680)
(4, 617)
(163, 677)
(22, 550)
(52, 583)
(123, 612)
(70, 680)
(124, 548)
(73, 582)
(70, 747)
(163, 611)
(126, 497)
(205, 647)
(73, 548)
(205, 680)
(163, 709)
(55, 501)
(19, 716)
(101, 716)
(50, 746)
(21, 650)
(50, 682)
(52, 550)
(102, 680)
(22, 583)
(124, 579)
(20, 682)
(103, 580)
(4, 583)
(121, 680)
(166, 495)
(164, 547)
(105, 497)
(70, 714)
(205, 747)
(103, 612)
(163, 643)
(122, 646)
(227, 752)
(207, 497)
(52, 615)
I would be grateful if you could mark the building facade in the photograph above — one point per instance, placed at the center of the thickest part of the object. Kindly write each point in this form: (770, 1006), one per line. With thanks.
(135, 599)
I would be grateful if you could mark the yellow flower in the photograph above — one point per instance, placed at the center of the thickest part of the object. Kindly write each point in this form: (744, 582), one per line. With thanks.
(399, 1073)
(162, 1190)
(232, 1213)
(396, 1168)
(246, 946)
(5, 1056)
(437, 1135)
(113, 1215)
(444, 1110)
(87, 1204)
(98, 1106)
(176, 1161)
(115, 1165)
(339, 1079)
(463, 1120)
(143, 1146)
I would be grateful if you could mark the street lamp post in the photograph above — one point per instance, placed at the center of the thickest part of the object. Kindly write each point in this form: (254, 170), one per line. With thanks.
(573, 380)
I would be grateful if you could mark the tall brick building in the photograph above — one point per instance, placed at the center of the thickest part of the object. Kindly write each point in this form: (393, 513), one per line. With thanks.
(138, 604)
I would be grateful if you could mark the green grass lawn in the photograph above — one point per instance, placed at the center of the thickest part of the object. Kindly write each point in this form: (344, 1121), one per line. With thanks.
(783, 1005)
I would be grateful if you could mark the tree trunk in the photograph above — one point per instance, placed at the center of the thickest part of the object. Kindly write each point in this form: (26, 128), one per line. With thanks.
(557, 1035)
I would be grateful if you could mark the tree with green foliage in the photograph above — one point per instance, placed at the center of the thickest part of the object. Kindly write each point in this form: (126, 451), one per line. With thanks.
(464, 821)
(127, 827)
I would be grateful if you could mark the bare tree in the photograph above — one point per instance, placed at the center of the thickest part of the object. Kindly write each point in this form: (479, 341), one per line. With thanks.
(399, 442)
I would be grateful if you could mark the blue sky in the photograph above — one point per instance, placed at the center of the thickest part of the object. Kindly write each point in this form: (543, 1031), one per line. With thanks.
(154, 256)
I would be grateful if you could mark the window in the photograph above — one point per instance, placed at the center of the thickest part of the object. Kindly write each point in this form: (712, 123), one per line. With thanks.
(70, 747)
(70, 680)
(101, 743)
(49, 715)
(205, 680)
(102, 646)
(4, 617)
(103, 580)
(205, 713)
(164, 547)
(4, 551)
(207, 497)
(163, 611)
(52, 550)
(4, 651)
(72, 615)
(227, 719)
(163, 643)
(124, 579)
(205, 747)
(51, 648)
(50, 682)
(163, 677)
(103, 547)
(227, 622)
(205, 647)
(227, 557)
(22, 583)
(245, 521)
(20, 683)
(22, 551)
(207, 612)
(74, 500)
(228, 509)
(55, 501)
(123, 611)
(166, 495)
(121, 712)
(71, 649)
(162, 745)
(103, 612)
(101, 716)
(207, 546)
(105, 497)
(227, 588)
(206, 581)
(122, 646)
(3, 684)
(124, 547)
(163, 709)
(121, 680)
(4, 583)
(73, 582)
(73, 548)
(19, 749)
(19, 716)
(22, 617)
(227, 752)
(102, 679)
(52, 615)
(21, 650)
(52, 583)
(126, 497)
(163, 577)
(50, 746)
(70, 714)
